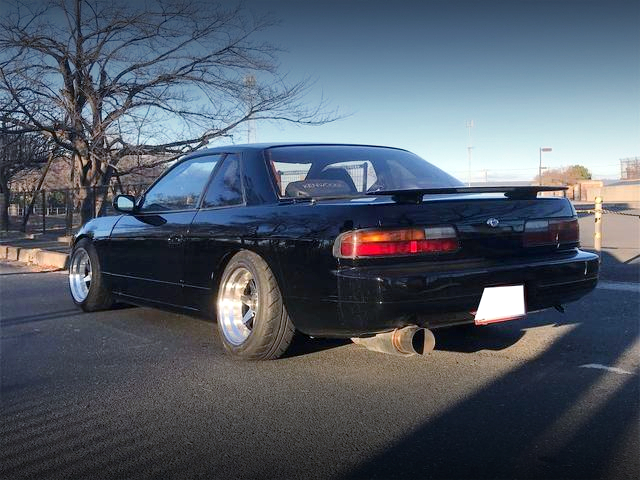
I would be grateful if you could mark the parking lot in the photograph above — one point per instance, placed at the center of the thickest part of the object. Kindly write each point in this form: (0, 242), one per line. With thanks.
(139, 393)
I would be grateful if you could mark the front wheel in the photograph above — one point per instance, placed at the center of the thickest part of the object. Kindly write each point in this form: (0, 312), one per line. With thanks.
(86, 283)
(252, 320)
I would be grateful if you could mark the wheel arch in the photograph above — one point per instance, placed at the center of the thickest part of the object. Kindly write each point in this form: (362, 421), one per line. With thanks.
(271, 260)
(80, 237)
(98, 295)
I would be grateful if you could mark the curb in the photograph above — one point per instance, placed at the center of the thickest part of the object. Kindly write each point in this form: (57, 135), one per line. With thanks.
(35, 256)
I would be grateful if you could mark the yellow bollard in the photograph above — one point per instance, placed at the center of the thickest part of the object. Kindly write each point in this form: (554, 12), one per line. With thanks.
(597, 236)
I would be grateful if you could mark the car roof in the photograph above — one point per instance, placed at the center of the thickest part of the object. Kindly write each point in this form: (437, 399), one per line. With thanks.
(263, 146)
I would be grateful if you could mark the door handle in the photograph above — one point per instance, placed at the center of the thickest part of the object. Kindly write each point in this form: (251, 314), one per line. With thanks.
(175, 240)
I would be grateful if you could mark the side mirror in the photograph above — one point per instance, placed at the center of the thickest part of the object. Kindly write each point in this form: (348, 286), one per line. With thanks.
(124, 203)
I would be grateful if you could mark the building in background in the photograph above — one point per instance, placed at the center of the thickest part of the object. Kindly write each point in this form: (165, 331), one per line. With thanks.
(625, 190)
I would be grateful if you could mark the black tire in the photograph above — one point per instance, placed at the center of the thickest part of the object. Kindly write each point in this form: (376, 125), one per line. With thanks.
(270, 331)
(98, 296)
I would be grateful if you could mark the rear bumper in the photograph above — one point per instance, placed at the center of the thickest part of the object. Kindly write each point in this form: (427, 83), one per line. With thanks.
(376, 299)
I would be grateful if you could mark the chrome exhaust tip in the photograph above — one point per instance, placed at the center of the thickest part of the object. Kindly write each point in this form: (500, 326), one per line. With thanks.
(406, 341)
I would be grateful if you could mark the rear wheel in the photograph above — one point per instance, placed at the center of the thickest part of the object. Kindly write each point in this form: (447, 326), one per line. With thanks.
(87, 286)
(252, 320)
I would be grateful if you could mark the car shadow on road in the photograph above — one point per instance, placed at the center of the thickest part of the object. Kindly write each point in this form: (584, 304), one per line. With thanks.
(304, 345)
(41, 317)
(612, 269)
(526, 424)
(470, 339)
(545, 418)
(35, 272)
(60, 314)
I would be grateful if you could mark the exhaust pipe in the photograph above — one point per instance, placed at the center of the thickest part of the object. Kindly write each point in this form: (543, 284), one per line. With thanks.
(406, 341)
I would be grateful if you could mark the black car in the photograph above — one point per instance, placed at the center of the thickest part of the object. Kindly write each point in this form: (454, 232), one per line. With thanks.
(352, 241)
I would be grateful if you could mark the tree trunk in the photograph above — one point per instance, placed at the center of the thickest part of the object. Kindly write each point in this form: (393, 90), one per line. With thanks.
(92, 180)
(43, 175)
(102, 192)
(5, 198)
(86, 176)
(85, 201)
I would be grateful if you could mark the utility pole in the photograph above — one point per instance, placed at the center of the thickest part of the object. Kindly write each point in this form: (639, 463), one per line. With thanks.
(469, 125)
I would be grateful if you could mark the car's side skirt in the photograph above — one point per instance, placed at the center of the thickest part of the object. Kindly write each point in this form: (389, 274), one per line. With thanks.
(145, 302)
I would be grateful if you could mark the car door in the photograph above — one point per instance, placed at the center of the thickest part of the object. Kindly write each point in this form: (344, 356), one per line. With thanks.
(217, 229)
(147, 247)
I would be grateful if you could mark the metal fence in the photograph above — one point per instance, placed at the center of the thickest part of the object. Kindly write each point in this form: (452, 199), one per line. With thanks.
(629, 168)
(59, 209)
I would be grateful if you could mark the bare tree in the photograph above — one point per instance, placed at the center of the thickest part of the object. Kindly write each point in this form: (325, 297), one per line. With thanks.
(19, 154)
(565, 175)
(109, 78)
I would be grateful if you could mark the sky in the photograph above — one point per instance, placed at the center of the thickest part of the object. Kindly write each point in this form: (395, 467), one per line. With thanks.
(559, 74)
(411, 74)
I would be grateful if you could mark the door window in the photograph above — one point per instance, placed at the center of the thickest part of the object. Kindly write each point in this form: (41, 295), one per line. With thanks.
(181, 187)
(225, 188)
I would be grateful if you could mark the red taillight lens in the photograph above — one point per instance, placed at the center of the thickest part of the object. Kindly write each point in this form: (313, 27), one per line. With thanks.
(399, 242)
(551, 232)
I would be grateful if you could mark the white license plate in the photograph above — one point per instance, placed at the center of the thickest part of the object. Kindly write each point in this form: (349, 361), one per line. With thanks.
(499, 304)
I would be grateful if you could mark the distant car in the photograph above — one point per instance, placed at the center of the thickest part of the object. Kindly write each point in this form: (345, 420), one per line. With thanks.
(344, 241)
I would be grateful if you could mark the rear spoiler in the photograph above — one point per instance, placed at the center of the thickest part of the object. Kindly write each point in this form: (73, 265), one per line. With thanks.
(515, 193)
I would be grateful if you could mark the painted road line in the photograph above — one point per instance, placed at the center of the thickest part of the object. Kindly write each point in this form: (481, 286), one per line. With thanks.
(608, 369)
(623, 286)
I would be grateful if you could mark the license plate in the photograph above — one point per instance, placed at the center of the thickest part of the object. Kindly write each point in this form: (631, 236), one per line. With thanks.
(499, 304)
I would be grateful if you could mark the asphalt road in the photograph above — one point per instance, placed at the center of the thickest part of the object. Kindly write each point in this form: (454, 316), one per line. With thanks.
(138, 393)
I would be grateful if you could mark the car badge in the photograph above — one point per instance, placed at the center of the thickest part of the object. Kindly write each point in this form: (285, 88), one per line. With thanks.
(493, 222)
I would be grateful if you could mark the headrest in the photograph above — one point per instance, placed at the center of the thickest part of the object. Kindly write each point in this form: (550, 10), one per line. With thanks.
(317, 188)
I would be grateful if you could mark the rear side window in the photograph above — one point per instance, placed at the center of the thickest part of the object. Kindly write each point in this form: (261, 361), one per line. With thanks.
(225, 188)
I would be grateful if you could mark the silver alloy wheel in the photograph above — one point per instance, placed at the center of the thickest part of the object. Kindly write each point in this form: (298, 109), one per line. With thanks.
(80, 274)
(238, 303)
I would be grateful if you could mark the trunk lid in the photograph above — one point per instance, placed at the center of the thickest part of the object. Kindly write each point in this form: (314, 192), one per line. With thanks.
(487, 226)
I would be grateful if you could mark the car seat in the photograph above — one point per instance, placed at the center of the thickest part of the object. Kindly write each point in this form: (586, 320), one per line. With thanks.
(337, 173)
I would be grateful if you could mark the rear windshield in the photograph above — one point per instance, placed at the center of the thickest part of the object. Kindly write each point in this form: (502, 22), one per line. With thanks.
(339, 170)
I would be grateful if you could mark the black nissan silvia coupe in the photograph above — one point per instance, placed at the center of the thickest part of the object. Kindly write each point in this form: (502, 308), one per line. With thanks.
(364, 242)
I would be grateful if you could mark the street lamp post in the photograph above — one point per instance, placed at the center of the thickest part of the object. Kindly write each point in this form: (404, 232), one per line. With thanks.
(542, 149)
(469, 125)
(250, 83)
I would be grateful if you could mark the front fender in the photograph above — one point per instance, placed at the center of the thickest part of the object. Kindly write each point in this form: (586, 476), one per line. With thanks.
(97, 229)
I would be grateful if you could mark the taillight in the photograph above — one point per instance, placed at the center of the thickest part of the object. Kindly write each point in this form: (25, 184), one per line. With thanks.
(551, 232)
(397, 242)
